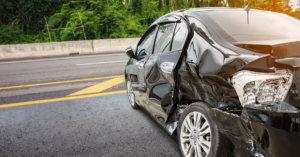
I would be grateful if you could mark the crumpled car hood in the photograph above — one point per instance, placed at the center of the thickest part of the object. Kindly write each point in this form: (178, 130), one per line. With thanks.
(294, 64)
(285, 57)
(279, 48)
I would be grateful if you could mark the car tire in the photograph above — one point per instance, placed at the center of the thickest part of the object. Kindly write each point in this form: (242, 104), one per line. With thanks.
(204, 137)
(131, 96)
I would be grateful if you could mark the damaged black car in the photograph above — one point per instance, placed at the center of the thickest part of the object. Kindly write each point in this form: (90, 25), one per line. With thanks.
(224, 80)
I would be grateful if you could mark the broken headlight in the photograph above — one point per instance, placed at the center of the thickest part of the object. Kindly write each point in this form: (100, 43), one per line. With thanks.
(255, 88)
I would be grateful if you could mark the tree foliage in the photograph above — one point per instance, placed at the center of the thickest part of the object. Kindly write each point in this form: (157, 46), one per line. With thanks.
(22, 21)
(271, 5)
(28, 15)
(236, 3)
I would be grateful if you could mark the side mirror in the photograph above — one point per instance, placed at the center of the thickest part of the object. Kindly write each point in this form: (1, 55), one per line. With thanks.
(129, 52)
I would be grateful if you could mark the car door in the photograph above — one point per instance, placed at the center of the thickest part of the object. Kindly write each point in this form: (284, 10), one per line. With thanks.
(142, 53)
(158, 70)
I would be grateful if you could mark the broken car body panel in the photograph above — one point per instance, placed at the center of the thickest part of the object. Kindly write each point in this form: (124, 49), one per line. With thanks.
(209, 69)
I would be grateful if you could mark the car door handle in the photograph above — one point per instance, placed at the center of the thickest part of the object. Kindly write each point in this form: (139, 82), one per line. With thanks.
(141, 64)
(167, 67)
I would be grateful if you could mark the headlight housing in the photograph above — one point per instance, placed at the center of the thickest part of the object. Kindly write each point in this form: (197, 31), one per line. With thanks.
(254, 88)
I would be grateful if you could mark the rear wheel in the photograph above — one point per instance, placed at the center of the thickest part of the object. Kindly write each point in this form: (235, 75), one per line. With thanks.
(131, 96)
(198, 135)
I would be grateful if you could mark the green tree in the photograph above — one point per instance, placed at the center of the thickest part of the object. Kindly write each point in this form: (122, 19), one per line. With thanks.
(216, 3)
(22, 21)
(28, 15)
(271, 5)
(137, 6)
(236, 3)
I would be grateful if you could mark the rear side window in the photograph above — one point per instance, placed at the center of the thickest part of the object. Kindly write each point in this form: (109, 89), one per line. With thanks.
(179, 36)
(144, 47)
(163, 38)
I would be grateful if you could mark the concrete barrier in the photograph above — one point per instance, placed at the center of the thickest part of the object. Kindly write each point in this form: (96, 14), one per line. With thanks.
(66, 48)
(114, 45)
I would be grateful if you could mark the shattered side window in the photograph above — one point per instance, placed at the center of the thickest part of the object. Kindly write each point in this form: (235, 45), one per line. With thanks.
(179, 36)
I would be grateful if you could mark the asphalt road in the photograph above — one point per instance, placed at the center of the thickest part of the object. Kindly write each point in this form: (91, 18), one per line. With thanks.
(74, 106)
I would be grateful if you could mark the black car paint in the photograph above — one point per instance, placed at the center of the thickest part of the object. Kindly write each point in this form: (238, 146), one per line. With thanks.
(246, 131)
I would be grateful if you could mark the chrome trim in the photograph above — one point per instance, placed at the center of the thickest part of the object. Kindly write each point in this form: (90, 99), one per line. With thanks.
(167, 67)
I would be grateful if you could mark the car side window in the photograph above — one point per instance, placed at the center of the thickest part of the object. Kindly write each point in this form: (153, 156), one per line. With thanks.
(145, 45)
(179, 36)
(163, 38)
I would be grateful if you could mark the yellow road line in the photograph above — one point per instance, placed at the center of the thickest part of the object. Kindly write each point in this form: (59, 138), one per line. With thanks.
(100, 87)
(50, 83)
(61, 99)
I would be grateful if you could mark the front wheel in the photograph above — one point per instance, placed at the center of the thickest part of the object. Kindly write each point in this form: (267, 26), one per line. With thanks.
(198, 135)
(131, 96)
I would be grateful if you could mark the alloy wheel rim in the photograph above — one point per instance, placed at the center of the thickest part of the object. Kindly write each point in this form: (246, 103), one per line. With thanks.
(195, 136)
(130, 93)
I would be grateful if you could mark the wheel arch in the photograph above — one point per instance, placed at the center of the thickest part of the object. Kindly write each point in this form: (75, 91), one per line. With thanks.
(198, 100)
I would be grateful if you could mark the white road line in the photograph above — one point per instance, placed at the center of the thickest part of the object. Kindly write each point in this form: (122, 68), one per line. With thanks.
(40, 60)
(101, 63)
